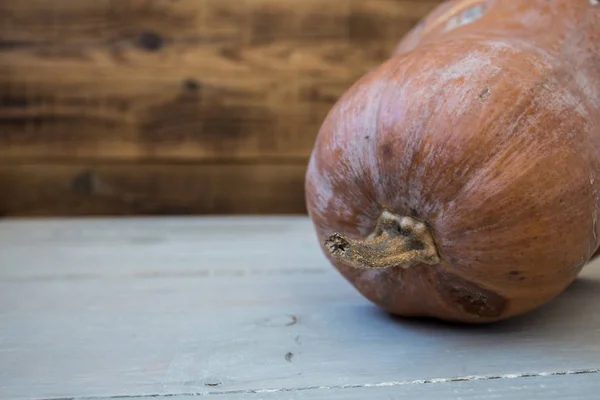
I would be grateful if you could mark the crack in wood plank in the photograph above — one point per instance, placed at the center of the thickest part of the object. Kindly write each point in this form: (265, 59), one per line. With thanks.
(469, 378)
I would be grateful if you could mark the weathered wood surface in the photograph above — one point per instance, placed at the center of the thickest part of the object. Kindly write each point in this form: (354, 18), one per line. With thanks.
(575, 387)
(125, 189)
(177, 87)
(249, 309)
(185, 79)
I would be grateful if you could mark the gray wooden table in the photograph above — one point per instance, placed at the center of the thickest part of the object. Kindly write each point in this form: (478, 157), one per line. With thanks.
(184, 308)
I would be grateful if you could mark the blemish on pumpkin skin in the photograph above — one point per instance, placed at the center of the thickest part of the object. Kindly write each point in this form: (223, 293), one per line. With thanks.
(547, 86)
(386, 150)
(487, 92)
(469, 297)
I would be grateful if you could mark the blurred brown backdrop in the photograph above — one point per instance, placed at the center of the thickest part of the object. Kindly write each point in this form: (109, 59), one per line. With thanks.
(128, 107)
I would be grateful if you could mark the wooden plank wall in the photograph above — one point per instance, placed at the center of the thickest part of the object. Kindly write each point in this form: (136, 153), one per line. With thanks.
(124, 107)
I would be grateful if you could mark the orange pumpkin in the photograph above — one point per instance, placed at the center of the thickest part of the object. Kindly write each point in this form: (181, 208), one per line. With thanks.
(460, 179)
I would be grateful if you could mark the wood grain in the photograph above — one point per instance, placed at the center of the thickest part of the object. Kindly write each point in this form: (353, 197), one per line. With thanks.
(236, 308)
(115, 107)
(185, 79)
(86, 21)
(150, 189)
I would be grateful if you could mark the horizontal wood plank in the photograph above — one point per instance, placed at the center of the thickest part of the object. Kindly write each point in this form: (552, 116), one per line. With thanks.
(105, 189)
(250, 308)
(571, 387)
(95, 21)
(186, 79)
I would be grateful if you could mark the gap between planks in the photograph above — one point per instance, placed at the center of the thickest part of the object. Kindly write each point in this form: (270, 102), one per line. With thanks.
(470, 378)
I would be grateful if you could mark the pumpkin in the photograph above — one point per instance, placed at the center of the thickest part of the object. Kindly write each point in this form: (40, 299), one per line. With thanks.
(459, 179)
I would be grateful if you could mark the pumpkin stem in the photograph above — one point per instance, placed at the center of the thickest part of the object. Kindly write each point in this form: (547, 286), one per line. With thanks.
(396, 242)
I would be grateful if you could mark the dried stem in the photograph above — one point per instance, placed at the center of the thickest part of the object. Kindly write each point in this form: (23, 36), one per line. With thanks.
(396, 242)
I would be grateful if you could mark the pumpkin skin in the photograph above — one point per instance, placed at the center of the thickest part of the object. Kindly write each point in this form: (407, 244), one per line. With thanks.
(488, 135)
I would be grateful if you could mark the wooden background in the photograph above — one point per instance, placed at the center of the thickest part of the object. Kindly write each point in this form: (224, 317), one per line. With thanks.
(125, 107)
